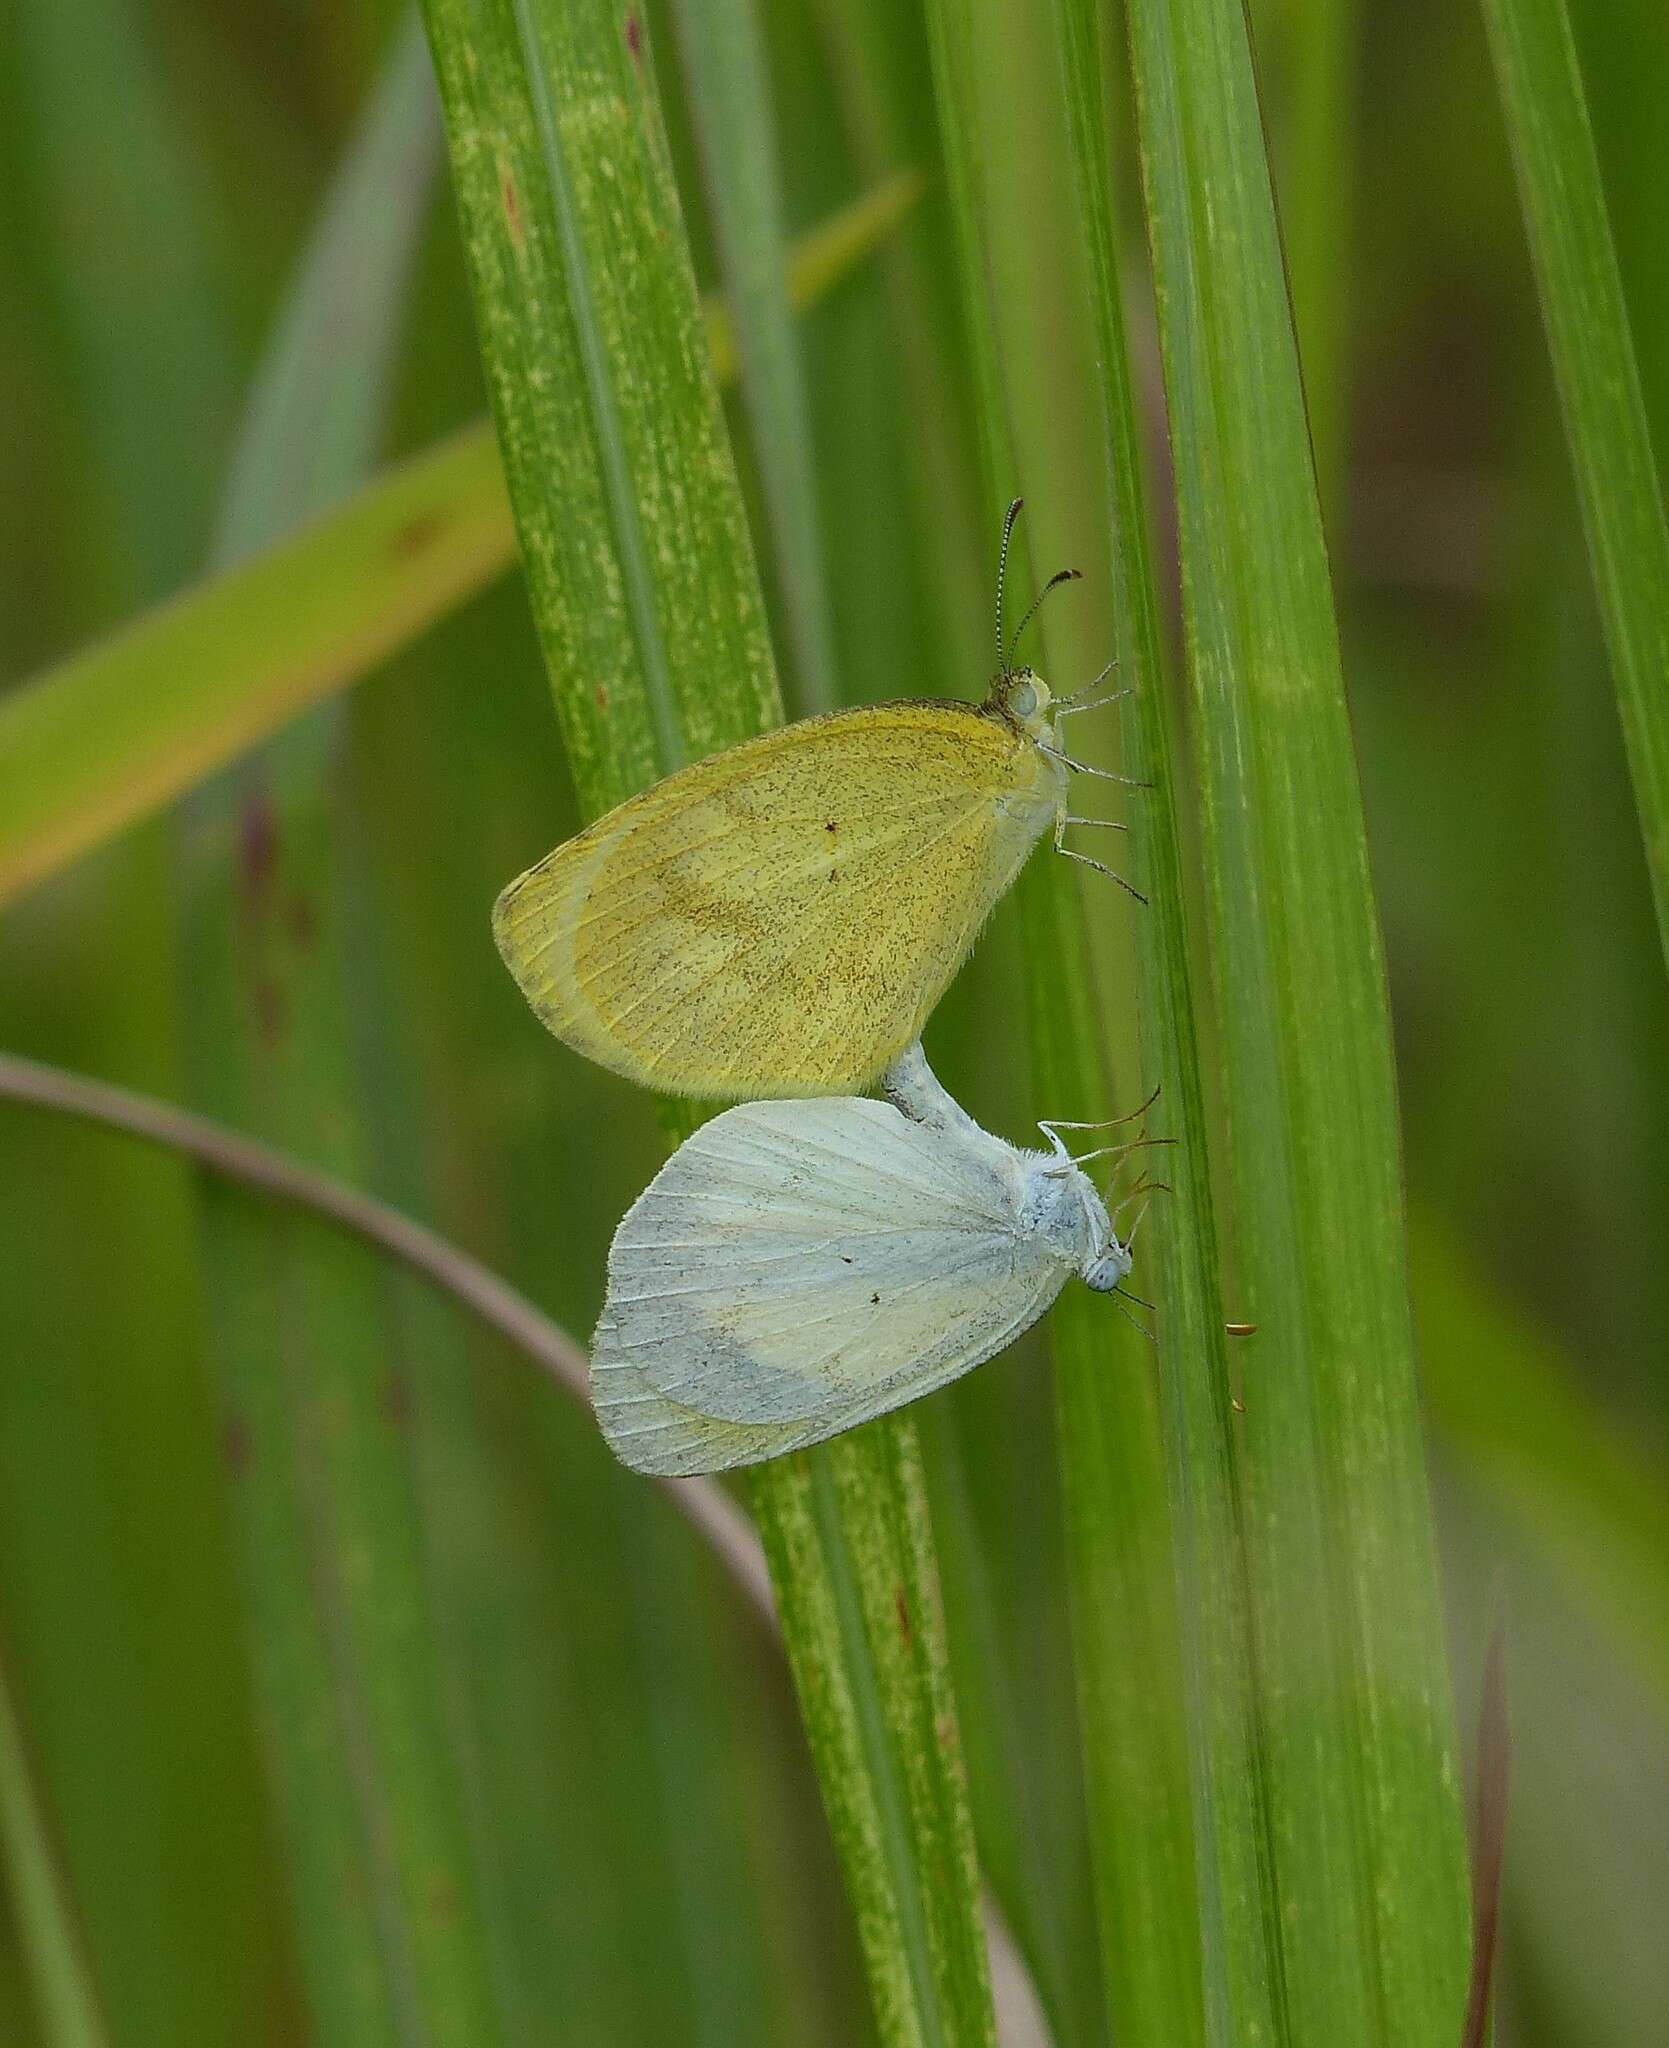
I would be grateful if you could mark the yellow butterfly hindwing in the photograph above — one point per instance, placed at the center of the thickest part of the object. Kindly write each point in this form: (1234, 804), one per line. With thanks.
(781, 918)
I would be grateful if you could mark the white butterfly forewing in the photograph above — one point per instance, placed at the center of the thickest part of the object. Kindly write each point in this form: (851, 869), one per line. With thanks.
(798, 1267)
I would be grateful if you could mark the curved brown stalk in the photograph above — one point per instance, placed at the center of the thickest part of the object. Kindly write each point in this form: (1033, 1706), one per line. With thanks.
(702, 1502)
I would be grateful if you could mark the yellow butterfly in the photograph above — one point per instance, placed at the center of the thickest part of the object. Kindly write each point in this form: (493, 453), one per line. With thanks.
(781, 919)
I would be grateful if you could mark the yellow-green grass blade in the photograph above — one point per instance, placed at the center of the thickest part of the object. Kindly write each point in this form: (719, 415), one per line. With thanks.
(1113, 1463)
(1594, 367)
(642, 578)
(1356, 1756)
(118, 730)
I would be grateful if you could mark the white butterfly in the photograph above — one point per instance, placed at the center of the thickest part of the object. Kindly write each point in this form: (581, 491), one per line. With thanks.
(798, 1267)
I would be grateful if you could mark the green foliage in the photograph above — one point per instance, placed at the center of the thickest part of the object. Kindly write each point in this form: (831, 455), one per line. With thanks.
(347, 1690)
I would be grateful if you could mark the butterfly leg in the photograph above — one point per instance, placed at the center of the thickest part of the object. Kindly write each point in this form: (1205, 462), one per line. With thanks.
(1076, 699)
(1084, 768)
(1134, 1321)
(1061, 1123)
(1062, 820)
(1070, 707)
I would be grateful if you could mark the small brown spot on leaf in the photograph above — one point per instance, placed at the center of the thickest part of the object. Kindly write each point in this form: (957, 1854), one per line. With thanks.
(304, 926)
(602, 697)
(418, 536)
(634, 36)
(901, 1606)
(271, 1011)
(396, 1400)
(257, 848)
(236, 1446)
(512, 207)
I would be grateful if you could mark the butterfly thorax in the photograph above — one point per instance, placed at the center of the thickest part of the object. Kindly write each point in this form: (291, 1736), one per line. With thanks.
(1056, 1203)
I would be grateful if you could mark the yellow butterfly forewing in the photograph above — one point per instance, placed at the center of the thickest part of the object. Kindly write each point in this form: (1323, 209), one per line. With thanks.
(781, 918)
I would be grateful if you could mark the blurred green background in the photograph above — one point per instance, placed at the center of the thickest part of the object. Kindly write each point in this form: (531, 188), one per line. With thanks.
(633, 1786)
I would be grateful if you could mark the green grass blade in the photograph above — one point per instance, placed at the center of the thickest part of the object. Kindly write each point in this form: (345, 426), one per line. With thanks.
(1119, 1536)
(101, 144)
(66, 2000)
(724, 60)
(1599, 387)
(852, 1558)
(312, 428)
(1317, 182)
(1235, 1853)
(120, 1618)
(1357, 1761)
(393, 1933)
(649, 610)
(115, 732)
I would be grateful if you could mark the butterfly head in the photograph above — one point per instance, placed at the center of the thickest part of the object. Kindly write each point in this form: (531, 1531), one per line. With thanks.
(1104, 1261)
(1021, 696)
(1112, 1265)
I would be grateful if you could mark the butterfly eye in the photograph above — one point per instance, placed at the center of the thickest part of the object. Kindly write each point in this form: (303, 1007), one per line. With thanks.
(1023, 703)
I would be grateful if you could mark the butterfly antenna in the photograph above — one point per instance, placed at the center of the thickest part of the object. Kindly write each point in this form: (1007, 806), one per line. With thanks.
(1009, 518)
(1060, 576)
